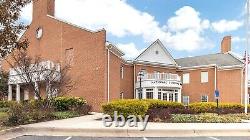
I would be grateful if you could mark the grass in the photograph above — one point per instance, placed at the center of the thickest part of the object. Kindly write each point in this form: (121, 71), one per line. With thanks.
(209, 118)
(65, 115)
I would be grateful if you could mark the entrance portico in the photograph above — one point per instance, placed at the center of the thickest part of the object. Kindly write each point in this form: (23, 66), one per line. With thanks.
(162, 86)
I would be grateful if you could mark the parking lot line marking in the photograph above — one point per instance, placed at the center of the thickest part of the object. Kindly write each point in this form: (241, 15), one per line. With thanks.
(68, 138)
(144, 138)
(213, 138)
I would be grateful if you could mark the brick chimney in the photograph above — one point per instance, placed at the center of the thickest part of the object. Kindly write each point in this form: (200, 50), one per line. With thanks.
(43, 8)
(226, 44)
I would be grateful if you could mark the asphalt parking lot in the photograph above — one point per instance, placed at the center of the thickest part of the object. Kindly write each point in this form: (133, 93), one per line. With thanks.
(141, 138)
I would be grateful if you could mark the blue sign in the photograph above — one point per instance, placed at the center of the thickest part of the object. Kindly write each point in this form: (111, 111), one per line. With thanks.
(217, 93)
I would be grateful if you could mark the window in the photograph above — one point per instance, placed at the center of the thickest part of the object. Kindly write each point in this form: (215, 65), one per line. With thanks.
(185, 78)
(204, 98)
(176, 97)
(171, 97)
(165, 96)
(149, 93)
(121, 95)
(122, 72)
(185, 100)
(69, 56)
(204, 77)
(159, 95)
(139, 95)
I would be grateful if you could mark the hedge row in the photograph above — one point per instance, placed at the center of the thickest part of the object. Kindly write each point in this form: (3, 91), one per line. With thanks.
(59, 103)
(137, 107)
(159, 108)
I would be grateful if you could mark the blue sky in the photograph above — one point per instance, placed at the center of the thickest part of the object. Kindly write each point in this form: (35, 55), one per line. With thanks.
(186, 27)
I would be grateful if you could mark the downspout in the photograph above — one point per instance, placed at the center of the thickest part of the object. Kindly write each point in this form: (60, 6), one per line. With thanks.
(215, 78)
(134, 83)
(108, 75)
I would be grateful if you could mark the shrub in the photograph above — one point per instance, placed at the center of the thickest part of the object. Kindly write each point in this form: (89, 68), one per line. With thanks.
(126, 107)
(211, 107)
(68, 103)
(164, 104)
(202, 107)
(29, 112)
(159, 114)
(5, 104)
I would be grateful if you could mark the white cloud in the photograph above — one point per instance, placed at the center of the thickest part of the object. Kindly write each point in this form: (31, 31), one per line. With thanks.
(237, 39)
(26, 13)
(184, 31)
(130, 50)
(187, 18)
(226, 26)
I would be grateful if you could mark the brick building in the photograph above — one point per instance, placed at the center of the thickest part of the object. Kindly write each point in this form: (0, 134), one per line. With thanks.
(102, 74)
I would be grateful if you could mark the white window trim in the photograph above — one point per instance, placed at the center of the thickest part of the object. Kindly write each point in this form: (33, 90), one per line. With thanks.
(206, 97)
(203, 78)
(122, 72)
(188, 100)
(186, 81)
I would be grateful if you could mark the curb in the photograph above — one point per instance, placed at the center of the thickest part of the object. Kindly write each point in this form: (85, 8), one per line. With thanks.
(11, 130)
(135, 132)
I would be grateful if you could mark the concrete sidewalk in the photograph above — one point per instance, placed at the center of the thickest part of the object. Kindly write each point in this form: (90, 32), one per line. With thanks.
(92, 125)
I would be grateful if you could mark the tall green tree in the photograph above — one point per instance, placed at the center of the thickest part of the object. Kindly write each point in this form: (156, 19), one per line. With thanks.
(10, 26)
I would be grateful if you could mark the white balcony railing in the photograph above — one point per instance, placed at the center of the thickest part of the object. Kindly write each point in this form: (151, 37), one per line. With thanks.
(160, 76)
(34, 72)
(159, 80)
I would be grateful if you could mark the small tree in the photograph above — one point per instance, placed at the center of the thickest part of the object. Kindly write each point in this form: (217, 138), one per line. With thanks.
(10, 27)
(31, 71)
(3, 85)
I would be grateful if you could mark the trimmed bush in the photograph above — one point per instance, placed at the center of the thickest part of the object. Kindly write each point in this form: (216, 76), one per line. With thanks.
(142, 107)
(164, 104)
(68, 103)
(211, 107)
(208, 107)
(126, 107)
(159, 114)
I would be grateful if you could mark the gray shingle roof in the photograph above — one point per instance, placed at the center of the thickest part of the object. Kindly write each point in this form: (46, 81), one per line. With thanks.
(219, 59)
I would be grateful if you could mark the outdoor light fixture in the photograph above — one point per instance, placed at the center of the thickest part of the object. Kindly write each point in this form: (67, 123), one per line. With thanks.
(140, 74)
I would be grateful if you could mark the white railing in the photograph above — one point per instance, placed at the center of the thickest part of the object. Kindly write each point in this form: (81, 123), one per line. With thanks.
(160, 76)
(36, 73)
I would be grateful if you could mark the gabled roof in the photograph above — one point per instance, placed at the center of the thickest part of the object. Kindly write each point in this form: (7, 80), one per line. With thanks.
(166, 57)
(219, 59)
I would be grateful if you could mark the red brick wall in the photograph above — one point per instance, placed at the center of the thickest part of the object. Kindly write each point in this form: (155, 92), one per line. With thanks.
(230, 85)
(195, 89)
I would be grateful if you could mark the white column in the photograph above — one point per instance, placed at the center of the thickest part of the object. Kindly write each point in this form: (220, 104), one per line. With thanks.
(36, 88)
(155, 95)
(179, 96)
(26, 95)
(143, 93)
(10, 93)
(18, 96)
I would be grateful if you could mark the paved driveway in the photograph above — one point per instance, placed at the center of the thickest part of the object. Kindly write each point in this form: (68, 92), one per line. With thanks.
(143, 138)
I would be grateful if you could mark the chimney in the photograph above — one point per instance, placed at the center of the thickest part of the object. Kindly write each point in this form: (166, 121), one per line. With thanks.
(226, 44)
(43, 8)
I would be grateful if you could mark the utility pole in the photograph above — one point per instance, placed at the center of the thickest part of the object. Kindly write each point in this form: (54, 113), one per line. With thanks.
(246, 56)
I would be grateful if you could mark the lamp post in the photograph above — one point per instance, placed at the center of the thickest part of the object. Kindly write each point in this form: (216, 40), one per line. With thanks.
(140, 74)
